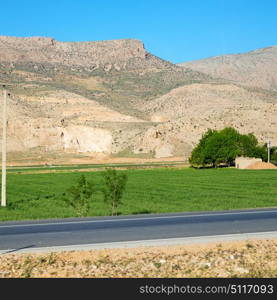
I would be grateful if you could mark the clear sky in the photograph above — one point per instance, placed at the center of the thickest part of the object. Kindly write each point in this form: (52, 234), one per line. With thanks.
(176, 30)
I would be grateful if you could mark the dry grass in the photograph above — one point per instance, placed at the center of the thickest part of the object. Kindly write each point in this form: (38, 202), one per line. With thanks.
(257, 258)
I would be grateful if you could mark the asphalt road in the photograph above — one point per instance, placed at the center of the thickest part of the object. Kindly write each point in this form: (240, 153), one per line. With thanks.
(48, 233)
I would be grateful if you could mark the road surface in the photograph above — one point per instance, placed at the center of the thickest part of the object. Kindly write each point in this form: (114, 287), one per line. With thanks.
(17, 236)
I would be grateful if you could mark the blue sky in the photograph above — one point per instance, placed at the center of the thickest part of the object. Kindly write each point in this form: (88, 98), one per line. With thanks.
(176, 30)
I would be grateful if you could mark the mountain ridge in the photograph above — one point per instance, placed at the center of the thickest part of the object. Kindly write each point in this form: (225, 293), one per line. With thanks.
(256, 68)
(114, 98)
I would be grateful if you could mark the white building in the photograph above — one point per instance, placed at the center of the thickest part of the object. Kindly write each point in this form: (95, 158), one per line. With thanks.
(245, 162)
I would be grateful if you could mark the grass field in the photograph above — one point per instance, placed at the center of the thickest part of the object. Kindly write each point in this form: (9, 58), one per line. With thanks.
(37, 196)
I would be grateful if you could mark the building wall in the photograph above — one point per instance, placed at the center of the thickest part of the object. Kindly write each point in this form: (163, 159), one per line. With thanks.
(245, 162)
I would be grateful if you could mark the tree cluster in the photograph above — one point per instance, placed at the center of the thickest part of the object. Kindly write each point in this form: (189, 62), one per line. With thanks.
(221, 147)
(80, 195)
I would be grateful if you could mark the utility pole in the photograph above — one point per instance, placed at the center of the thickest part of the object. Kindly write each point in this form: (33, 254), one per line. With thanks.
(4, 147)
(268, 150)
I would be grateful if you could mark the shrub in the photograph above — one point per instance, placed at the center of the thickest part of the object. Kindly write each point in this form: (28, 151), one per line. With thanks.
(79, 196)
(115, 184)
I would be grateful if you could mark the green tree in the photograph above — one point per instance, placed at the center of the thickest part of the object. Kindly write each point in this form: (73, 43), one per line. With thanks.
(248, 145)
(79, 196)
(115, 184)
(198, 157)
(223, 146)
(273, 153)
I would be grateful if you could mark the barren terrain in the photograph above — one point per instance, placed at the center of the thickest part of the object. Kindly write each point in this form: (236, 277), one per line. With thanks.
(106, 100)
(255, 68)
(253, 258)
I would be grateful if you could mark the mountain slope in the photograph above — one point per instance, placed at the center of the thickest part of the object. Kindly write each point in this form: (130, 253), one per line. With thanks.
(113, 98)
(115, 73)
(256, 68)
(188, 111)
(81, 97)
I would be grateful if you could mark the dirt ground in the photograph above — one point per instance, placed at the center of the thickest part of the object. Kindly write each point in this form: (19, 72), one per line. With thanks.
(93, 160)
(261, 166)
(253, 258)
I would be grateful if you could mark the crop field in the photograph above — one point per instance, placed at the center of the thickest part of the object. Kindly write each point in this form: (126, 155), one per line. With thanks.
(159, 190)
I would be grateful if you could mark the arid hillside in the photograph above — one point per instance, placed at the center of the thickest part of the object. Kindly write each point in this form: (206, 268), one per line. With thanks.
(189, 110)
(115, 99)
(255, 68)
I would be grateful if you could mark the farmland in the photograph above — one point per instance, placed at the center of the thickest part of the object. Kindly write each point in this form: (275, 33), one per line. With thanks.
(159, 190)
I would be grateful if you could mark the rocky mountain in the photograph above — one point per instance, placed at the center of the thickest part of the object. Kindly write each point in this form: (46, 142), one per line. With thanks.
(189, 110)
(115, 99)
(256, 68)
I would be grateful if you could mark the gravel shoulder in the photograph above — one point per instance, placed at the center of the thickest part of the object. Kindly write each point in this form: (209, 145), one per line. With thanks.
(250, 258)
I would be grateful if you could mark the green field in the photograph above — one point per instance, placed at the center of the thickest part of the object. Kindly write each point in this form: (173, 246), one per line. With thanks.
(38, 196)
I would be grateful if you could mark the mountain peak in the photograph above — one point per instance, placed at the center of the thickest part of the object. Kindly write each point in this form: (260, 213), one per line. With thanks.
(255, 68)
